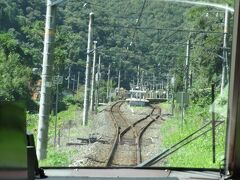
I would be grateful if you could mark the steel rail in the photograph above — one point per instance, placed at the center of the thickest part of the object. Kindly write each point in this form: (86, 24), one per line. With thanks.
(119, 133)
(140, 134)
(135, 123)
(136, 135)
(116, 139)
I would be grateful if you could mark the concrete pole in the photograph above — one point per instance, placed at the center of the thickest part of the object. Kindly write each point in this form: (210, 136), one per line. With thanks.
(93, 77)
(119, 80)
(119, 77)
(56, 110)
(186, 85)
(78, 79)
(74, 80)
(108, 87)
(124, 74)
(110, 90)
(45, 99)
(225, 58)
(213, 125)
(69, 76)
(153, 81)
(168, 87)
(99, 68)
(86, 91)
(138, 76)
(98, 84)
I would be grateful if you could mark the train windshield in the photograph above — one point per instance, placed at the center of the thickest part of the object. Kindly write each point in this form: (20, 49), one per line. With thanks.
(120, 83)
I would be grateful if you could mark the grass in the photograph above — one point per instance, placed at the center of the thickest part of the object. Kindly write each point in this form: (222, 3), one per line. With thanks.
(56, 156)
(197, 154)
(61, 156)
(166, 106)
(63, 117)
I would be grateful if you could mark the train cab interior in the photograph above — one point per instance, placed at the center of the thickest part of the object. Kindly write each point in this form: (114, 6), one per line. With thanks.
(18, 157)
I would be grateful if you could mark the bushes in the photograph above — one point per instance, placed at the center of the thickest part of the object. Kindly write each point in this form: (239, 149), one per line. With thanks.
(69, 99)
(202, 97)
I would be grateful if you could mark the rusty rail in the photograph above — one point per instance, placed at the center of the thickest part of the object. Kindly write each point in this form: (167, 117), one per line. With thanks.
(120, 134)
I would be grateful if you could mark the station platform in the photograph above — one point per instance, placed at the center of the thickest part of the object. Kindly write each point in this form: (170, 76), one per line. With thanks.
(156, 100)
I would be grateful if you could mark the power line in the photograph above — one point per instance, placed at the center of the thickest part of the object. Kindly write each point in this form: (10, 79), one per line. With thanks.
(141, 12)
(161, 29)
(207, 41)
(145, 54)
(183, 44)
(139, 19)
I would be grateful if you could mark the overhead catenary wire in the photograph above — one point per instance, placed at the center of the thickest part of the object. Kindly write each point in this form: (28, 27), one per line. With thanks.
(105, 49)
(183, 43)
(142, 29)
(166, 37)
(137, 27)
(159, 29)
(138, 21)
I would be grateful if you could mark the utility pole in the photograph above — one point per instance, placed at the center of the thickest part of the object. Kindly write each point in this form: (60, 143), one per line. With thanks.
(142, 74)
(78, 79)
(69, 76)
(74, 80)
(153, 81)
(56, 80)
(110, 90)
(168, 86)
(173, 92)
(213, 125)
(86, 91)
(109, 71)
(98, 84)
(138, 76)
(93, 77)
(190, 79)
(225, 68)
(187, 65)
(119, 77)
(56, 110)
(45, 99)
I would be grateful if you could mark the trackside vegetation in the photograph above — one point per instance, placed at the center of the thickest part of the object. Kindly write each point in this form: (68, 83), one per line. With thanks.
(197, 154)
(56, 156)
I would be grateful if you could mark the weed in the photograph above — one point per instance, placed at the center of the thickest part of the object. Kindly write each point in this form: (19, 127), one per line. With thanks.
(197, 154)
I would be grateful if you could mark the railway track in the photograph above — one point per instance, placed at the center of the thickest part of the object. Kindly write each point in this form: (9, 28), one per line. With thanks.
(126, 148)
